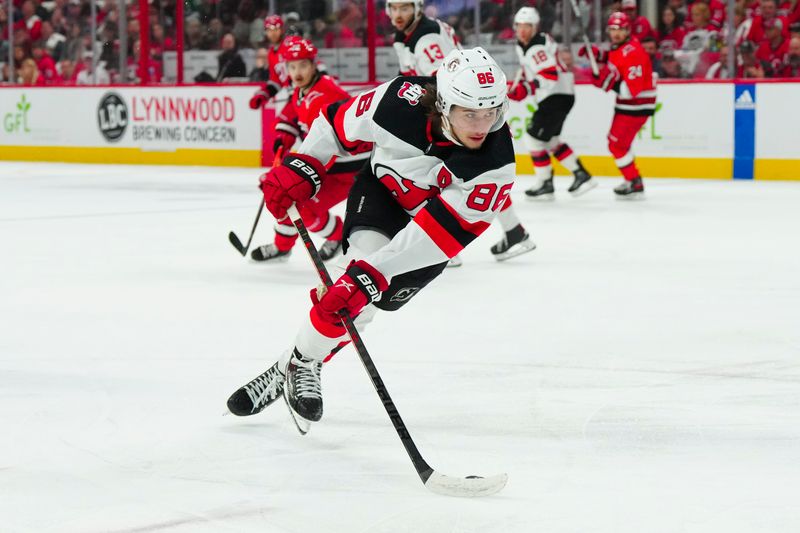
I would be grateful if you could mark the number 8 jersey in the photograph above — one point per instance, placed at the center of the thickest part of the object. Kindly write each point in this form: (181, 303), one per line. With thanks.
(540, 65)
(421, 52)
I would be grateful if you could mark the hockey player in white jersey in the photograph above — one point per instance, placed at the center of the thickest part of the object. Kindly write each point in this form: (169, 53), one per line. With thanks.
(420, 42)
(546, 79)
(442, 166)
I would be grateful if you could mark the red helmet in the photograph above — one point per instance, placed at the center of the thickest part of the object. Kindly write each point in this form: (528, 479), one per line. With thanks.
(295, 48)
(273, 21)
(618, 20)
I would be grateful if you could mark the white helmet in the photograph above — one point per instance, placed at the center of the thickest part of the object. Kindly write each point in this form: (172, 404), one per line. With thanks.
(472, 79)
(418, 4)
(527, 15)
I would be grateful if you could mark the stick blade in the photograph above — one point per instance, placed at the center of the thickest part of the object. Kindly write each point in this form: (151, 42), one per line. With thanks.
(237, 243)
(469, 487)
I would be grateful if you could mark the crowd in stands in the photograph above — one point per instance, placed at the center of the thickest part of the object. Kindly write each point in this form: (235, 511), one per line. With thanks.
(52, 43)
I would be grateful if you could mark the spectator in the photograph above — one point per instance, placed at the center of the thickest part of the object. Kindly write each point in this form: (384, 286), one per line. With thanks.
(44, 63)
(640, 26)
(29, 73)
(716, 10)
(719, 70)
(679, 6)
(769, 11)
(194, 32)
(669, 66)
(85, 75)
(791, 63)
(30, 21)
(260, 72)
(245, 15)
(701, 34)
(671, 30)
(73, 47)
(231, 64)
(67, 73)
(751, 67)
(790, 10)
(774, 48)
(54, 41)
(649, 45)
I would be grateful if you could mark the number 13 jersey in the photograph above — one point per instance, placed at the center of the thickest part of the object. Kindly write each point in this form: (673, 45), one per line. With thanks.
(421, 52)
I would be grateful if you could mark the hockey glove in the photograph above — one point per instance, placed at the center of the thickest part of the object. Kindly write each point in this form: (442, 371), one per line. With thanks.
(258, 99)
(521, 91)
(601, 56)
(359, 285)
(285, 139)
(607, 79)
(297, 179)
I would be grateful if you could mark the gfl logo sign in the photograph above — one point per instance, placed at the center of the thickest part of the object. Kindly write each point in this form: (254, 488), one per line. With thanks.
(17, 121)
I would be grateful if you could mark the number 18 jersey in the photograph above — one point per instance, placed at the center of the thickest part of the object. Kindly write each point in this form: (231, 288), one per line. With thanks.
(540, 63)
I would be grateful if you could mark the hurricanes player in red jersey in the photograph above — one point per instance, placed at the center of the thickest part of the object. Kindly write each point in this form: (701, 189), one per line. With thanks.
(278, 76)
(628, 72)
(312, 91)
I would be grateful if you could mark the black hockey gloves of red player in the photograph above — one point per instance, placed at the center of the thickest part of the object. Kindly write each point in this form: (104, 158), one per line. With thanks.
(470, 486)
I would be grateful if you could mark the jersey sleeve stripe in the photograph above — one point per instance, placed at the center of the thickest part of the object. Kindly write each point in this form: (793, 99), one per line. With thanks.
(335, 113)
(549, 74)
(446, 227)
(446, 242)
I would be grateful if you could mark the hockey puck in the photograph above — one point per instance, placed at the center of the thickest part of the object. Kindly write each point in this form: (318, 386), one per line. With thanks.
(474, 477)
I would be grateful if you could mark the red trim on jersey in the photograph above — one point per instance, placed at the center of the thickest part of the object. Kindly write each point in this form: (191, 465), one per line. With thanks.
(440, 236)
(549, 74)
(338, 126)
(475, 228)
(332, 331)
(429, 135)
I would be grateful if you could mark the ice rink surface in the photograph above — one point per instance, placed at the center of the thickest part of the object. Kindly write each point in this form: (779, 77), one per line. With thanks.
(638, 372)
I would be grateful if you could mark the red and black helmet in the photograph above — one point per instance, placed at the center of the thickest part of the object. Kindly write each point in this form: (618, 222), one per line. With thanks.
(618, 21)
(295, 48)
(273, 21)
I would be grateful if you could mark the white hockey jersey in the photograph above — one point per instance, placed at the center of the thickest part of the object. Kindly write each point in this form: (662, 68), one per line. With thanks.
(421, 52)
(541, 65)
(451, 192)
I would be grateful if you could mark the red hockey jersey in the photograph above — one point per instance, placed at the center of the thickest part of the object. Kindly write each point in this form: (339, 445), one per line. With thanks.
(304, 105)
(634, 83)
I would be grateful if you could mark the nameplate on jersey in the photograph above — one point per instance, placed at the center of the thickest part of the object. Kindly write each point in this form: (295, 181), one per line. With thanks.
(411, 92)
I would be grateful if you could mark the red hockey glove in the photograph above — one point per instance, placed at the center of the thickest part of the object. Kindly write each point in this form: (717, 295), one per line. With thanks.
(601, 56)
(297, 179)
(520, 91)
(258, 100)
(606, 79)
(285, 139)
(359, 285)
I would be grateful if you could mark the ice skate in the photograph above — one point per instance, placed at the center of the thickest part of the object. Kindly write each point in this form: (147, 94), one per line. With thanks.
(544, 192)
(583, 182)
(630, 190)
(303, 391)
(270, 252)
(258, 394)
(515, 242)
(330, 249)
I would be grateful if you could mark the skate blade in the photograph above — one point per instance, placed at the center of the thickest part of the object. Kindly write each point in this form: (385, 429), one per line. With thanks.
(301, 423)
(518, 249)
(549, 197)
(632, 197)
(583, 189)
(281, 259)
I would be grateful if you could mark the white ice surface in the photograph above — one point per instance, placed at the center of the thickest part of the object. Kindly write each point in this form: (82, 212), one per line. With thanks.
(638, 372)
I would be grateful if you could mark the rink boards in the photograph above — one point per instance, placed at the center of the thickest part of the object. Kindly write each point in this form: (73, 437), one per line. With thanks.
(704, 130)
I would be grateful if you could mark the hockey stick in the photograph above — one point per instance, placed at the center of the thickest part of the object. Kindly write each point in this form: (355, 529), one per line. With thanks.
(586, 43)
(439, 483)
(234, 240)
